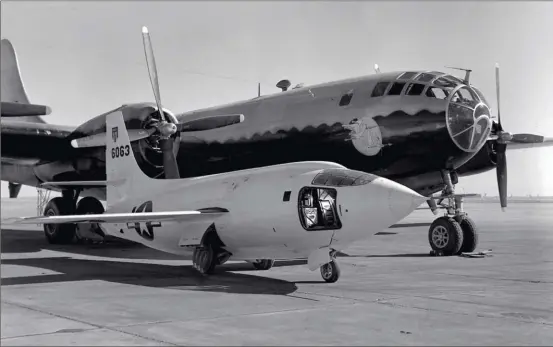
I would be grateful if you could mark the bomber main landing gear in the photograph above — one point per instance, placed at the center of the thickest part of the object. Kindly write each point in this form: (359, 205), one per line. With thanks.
(455, 232)
(67, 205)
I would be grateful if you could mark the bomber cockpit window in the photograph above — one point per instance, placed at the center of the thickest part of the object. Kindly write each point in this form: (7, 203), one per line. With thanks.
(379, 89)
(406, 75)
(396, 88)
(346, 98)
(415, 89)
(445, 83)
(437, 93)
(425, 77)
(480, 95)
(342, 177)
(317, 209)
(465, 97)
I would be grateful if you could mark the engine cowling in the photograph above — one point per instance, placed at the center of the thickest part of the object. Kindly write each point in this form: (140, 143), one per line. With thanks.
(484, 160)
(91, 161)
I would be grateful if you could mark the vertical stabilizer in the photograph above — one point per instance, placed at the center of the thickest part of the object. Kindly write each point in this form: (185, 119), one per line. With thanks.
(15, 102)
(124, 176)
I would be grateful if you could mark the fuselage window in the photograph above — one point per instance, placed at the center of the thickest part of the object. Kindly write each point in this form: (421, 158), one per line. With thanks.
(437, 93)
(346, 98)
(317, 209)
(396, 88)
(379, 89)
(415, 89)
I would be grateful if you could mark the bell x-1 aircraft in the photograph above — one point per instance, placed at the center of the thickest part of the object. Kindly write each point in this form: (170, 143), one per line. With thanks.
(420, 129)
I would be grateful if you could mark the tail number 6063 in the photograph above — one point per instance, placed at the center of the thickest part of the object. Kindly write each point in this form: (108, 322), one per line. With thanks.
(121, 151)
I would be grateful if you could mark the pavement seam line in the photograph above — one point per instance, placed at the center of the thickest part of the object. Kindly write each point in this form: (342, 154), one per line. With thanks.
(87, 323)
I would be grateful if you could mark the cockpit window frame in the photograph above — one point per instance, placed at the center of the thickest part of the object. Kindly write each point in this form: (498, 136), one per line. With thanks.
(384, 91)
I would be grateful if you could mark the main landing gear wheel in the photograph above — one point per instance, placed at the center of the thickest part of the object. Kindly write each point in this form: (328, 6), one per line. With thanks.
(454, 233)
(470, 235)
(59, 233)
(204, 260)
(263, 264)
(330, 272)
(89, 232)
(445, 236)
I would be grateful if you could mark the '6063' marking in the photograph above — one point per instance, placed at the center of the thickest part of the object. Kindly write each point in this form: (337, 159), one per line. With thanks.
(121, 151)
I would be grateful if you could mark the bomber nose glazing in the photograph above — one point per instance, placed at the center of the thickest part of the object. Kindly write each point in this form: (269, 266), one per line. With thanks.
(468, 118)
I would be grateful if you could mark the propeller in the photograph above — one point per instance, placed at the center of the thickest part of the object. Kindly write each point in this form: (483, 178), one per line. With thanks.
(502, 138)
(165, 130)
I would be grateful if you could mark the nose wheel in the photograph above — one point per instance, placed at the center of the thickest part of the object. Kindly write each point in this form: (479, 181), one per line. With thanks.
(330, 272)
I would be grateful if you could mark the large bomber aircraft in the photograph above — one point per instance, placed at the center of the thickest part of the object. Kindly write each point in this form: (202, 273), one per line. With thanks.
(421, 129)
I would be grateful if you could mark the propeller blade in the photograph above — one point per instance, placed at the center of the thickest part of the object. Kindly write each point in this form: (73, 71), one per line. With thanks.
(498, 94)
(527, 138)
(501, 171)
(152, 70)
(170, 165)
(99, 140)
(209, 123)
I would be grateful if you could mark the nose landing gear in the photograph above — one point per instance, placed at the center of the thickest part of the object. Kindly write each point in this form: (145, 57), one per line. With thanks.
(330, 272)
(455, 232)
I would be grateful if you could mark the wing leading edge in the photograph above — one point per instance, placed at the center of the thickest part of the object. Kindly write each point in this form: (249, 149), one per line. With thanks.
(121, 217)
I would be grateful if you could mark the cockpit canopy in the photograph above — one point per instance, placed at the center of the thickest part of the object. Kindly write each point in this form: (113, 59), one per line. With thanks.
(342, 178)
(432, 84)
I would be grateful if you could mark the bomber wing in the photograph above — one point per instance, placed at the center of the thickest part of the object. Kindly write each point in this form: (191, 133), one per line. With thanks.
(25, 139)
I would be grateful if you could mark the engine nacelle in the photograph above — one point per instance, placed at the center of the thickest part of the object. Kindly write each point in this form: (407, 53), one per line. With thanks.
(147, 151)
(484, 160)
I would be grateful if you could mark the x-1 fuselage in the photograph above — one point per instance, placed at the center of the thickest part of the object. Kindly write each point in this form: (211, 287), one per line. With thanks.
(396, 125)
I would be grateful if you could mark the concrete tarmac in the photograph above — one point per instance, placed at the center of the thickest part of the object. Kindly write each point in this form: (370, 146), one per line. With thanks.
(391, 291)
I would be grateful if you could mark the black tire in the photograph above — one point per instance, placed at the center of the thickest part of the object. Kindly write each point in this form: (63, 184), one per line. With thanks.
(330, 272)
(90, 205)
(59, 233)
(470, 235)
(445, 236)
(264, 264)
(206, 260)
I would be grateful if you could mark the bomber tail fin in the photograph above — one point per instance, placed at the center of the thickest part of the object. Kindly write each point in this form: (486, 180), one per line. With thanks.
(15, 102)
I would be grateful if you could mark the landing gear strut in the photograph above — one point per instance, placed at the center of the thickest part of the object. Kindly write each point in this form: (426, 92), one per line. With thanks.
(455, 232)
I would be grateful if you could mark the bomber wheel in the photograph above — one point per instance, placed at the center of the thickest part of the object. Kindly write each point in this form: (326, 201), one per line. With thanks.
(89, 205)
(59, 233)
(263, 264)
(204, 260)
(445, 236)
(470, 235)
(330, 272)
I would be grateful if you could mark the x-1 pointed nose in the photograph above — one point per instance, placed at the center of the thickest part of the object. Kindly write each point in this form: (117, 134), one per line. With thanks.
(401, 199)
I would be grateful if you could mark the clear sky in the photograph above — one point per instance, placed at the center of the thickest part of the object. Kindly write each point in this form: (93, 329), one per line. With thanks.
(85, 58)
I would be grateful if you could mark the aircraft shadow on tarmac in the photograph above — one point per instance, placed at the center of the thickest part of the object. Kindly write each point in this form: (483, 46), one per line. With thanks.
(178, 277)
